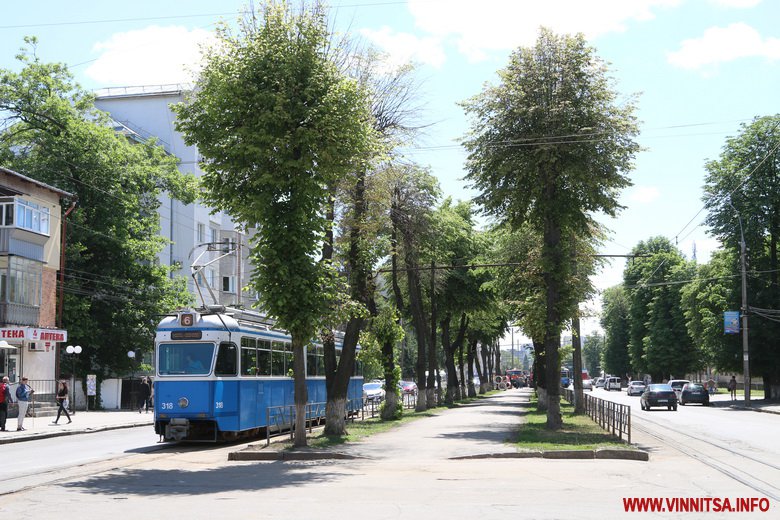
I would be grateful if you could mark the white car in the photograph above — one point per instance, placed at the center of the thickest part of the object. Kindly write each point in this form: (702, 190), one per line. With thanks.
(373, 392)
(677, 385)
(636, 388)
(587, 384)
(599, 383)
(612, 383)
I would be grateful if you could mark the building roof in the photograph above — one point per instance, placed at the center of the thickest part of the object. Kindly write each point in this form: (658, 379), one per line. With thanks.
(40, 184)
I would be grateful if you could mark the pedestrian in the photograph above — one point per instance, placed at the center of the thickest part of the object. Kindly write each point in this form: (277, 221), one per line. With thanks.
(62, 397)
(5, 398)
(711, 385)
(144, 395)
(23, 394)
(733, 388)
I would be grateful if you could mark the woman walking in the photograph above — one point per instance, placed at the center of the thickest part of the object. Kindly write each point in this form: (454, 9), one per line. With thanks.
(62, 396)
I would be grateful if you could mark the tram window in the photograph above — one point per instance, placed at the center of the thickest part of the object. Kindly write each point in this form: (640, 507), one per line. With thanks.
(288, 357)
(185, 358)
(277, 359)
(226, 360)
(311, 360)
(320, 362)
(248, 361)
(264, 358)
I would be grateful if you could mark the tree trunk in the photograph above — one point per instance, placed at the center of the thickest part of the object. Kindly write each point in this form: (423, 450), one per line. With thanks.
(552, 334)
(390, 409)
(431, 381)
(480, 370)
(540, 375)
(461, 369)
(301, 391)
(470, 358)
(335, 408)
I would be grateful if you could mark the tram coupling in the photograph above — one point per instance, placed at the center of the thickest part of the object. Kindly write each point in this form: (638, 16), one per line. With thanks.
(177, 429)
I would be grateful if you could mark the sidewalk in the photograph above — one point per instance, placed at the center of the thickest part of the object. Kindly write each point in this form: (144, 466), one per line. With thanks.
(83, 422)
(756, 405)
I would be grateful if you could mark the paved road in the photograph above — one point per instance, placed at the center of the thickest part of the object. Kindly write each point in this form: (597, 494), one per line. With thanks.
(409, 474)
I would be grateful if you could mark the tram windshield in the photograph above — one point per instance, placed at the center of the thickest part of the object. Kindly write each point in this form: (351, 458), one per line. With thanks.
(175, 359)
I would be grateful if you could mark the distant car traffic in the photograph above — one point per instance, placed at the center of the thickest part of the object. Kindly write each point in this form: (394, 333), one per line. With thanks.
(635, 388)
(694, 393)
(599, 382)
(408, 387)
(612, 383)
(677, 385)
(658, 395)
(587, 384)
(373, 392)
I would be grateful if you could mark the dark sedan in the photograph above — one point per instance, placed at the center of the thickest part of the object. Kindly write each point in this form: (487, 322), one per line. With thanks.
(658, 395)
(694, 393)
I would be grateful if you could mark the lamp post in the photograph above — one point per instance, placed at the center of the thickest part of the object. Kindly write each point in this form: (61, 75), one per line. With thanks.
(131, 355)
(72, 352)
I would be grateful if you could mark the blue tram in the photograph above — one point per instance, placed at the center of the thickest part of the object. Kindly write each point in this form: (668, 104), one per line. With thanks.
(223, 373)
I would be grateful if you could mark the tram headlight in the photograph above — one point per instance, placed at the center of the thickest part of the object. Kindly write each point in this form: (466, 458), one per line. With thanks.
(183, 402)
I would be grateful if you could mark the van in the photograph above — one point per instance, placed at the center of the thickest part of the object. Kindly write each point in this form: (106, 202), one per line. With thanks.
(612, 383)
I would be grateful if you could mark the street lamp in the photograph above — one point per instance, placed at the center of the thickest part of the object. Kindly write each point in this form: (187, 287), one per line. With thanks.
(73, 351)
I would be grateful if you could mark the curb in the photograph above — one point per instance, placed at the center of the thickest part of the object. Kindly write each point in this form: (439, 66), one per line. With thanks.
(62, 433)
(751, 409)
(604, 453)
(287, 455)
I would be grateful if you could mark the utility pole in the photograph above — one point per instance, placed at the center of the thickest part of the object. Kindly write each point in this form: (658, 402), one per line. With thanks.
(744, 310)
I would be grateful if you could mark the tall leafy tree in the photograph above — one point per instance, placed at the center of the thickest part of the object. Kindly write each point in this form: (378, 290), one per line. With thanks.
(113, 287)
(714, 290)
(550, 145)
(659, 343)
(277, 123)
(616, 323)
(744, 183)
(592, 350)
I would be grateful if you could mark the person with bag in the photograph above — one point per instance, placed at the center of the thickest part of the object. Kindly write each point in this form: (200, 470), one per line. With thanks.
(62, 397)
(23, 394)
(5, 398)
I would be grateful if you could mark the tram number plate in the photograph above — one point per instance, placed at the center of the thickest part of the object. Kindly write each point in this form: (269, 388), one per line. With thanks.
(166, 406)
(219, 404)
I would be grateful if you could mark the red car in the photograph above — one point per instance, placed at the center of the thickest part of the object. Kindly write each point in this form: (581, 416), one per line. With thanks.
(408, 387)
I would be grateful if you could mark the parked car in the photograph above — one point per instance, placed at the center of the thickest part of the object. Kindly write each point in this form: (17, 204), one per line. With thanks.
(599, 382)
(587, 384)
(694, 393)
(408, 387)
(658, 395)
(612, 383)
(677, 385)
(373, 392)
(636, 388)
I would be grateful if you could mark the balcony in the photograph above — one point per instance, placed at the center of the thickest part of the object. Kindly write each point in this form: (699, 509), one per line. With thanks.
(19, 314)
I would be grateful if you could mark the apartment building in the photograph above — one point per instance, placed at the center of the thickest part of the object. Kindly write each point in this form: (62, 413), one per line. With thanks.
(30, 256)
(198, 235)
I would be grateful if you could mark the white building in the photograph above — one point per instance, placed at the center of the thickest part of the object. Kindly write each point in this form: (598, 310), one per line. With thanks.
(146, 113)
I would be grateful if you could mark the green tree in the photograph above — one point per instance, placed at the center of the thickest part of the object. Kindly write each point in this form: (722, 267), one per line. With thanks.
(113, 288)
(659, 343)
(744, 183)
(277, 124)
(616, 324)
(714, 290)
(592, 350)
(551, 145)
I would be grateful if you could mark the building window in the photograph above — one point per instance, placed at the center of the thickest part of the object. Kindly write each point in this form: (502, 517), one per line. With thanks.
(20, 280)
(201, 233)
(25, 215)
(211, 277)
(229, 284)
(213, 235)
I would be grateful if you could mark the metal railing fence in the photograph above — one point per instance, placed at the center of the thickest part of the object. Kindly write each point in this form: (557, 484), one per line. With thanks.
(612, 417)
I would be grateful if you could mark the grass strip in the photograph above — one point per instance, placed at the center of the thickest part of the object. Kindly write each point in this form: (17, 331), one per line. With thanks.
(579, 432)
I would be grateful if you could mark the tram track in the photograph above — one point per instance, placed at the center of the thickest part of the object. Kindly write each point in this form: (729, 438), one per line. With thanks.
(734, 470)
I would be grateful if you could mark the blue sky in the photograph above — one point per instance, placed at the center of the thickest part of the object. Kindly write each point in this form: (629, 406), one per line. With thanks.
(701, 67)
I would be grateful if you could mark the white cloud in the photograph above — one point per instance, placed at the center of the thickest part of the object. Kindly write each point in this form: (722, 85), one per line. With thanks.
(151, 56)
(737, 4)
(498, 25)
(644, 194)
(402, 48)
(723, 44)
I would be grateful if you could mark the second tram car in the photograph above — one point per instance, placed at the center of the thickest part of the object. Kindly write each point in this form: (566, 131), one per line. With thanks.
(224, 372)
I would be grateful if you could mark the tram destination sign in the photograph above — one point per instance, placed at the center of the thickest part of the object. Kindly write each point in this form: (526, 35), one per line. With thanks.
(186, 334)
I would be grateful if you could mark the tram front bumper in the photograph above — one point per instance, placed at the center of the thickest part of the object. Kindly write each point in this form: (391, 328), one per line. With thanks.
(177, 429)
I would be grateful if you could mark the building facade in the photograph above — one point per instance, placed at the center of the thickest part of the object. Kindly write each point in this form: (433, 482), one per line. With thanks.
(30, 257)
(198, 235)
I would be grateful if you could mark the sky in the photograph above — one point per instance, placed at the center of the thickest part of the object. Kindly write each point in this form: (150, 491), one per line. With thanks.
(700, 68)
